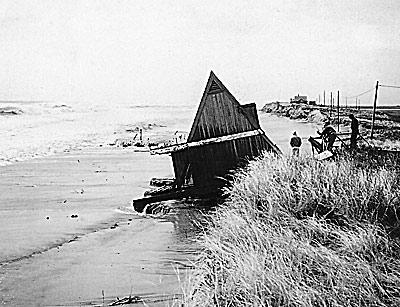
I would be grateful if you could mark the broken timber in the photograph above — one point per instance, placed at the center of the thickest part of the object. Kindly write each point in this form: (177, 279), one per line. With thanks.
(173, 148)
(224, 135)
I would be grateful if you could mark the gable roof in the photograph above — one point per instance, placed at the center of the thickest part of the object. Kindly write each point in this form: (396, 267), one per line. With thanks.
(214, 86)
(246, 113)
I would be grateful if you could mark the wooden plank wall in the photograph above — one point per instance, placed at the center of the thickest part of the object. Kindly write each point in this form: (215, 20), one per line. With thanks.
(216, 160)
(221, 116)
(180, 161)
(251, 113)
(207, 162)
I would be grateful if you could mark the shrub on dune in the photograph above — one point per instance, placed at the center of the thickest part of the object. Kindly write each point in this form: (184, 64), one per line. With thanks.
(302, 233)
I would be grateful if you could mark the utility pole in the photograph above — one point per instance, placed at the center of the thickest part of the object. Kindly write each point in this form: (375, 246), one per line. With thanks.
(346, 103)
(324, 98)
(338, 116)
(319, 99)
(330, 107)
(373, 112)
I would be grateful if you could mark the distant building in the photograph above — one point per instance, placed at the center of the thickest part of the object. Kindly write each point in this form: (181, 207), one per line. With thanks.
(312, 102)
(299, 99)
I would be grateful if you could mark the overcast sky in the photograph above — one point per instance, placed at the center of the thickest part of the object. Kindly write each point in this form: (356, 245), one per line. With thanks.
(161, 52)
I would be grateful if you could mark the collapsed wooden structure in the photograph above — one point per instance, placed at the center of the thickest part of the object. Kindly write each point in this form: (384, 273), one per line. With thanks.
(224, 134)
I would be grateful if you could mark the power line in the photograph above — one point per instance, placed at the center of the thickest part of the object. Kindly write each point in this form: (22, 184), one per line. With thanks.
(393, 86)
(363, 93)
(368, 91)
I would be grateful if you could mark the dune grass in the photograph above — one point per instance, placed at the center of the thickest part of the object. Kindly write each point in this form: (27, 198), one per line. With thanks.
(302, 233)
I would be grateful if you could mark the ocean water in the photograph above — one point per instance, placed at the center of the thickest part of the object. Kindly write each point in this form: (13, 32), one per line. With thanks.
(35, 129)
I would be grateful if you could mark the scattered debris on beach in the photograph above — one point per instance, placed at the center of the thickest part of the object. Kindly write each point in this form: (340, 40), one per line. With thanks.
(146, 300)
(161, 182)
(127, 300)
(138, 139)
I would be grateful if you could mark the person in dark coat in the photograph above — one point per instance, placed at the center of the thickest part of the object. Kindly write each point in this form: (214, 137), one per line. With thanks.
(354, 131)
(328, 136)
(295, 142)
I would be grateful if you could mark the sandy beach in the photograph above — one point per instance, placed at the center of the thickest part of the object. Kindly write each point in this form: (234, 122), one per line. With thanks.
(53, 258)
(69, 234)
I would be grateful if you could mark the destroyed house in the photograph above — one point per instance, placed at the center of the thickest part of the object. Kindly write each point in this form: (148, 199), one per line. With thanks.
(223, 135)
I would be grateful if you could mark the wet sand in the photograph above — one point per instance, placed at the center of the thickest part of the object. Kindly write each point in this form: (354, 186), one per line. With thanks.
(49, 258)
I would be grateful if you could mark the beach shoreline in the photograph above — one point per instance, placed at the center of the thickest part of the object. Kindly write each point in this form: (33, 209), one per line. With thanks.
(76, 235)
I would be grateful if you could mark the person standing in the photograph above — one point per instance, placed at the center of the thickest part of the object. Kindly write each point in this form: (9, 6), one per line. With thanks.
(354, 131)
(295, 143)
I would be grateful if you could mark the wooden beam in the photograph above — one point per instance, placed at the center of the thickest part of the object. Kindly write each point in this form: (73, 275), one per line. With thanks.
(196, 192)
(220, 139)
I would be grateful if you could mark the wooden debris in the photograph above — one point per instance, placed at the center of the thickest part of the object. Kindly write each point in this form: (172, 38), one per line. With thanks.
(126, 300)
(161, 182)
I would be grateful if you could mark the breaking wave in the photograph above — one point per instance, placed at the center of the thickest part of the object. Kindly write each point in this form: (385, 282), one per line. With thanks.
(7, 111)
